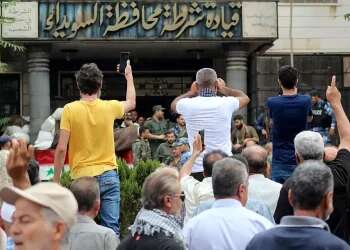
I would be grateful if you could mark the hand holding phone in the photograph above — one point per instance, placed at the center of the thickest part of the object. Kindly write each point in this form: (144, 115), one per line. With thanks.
(124, 57)
(201, 133)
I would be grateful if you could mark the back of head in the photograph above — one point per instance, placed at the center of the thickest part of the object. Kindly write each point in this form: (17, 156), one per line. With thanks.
(209, 160)
(89, 79)
(228, 175)
(256, 157)
(86, 191)
(288, 77)
(310, 182)
(309, 145)
(162, 182)
(206, 77)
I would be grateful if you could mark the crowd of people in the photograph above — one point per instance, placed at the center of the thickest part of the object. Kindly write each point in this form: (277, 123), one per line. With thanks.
(222, 184)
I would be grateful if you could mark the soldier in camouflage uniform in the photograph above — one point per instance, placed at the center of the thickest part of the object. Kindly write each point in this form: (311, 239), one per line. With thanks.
(180, 127)
(141, 149)
(163, 152)
(157, 126)
(175, 159)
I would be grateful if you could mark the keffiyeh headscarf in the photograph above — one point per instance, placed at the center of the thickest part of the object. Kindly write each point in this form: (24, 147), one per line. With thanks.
(149, 222)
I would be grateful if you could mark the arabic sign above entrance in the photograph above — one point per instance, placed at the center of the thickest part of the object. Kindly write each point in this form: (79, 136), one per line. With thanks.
(119, 20)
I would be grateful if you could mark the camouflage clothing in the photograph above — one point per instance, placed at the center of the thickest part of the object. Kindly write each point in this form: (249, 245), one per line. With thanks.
(141, 150)
(171, 162)
(179, 132)
(156, 128)
(163, 152)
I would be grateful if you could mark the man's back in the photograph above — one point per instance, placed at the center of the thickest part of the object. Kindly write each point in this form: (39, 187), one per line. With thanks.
(87, 235)
(295, 238)
(213, 114)
(91, 139)
(289, 115)
(265, 190)
(228, 225)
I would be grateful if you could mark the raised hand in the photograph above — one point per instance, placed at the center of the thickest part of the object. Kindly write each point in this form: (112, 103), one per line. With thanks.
(128, 71)
(194, 89)
(333, 95)
(197, 146)
(17, 163)
(220, 84)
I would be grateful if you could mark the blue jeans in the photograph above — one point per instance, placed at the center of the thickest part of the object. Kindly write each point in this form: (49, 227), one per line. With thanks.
(280, 173)
(110, 199)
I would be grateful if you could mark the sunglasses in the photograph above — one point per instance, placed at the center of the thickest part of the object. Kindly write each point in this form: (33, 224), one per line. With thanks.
(181, 196)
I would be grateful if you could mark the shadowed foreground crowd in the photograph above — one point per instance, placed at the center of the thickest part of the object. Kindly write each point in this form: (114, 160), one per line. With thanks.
(216, 190)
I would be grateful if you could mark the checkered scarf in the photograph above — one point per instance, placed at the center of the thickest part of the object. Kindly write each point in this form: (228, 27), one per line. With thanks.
(206, 92)
(149, 222)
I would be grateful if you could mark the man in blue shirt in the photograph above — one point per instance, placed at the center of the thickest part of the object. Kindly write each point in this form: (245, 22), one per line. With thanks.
(311, 195)
(289, 113)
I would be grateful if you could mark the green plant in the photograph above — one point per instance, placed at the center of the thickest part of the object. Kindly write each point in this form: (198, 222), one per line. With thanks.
(3, 124)
(131, 180)
(66, 180)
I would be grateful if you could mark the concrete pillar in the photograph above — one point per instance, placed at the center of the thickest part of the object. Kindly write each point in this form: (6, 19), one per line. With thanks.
(39, 89)
(236, 71)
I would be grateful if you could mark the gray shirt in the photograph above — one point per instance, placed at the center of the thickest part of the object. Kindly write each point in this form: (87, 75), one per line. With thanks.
(87, 235)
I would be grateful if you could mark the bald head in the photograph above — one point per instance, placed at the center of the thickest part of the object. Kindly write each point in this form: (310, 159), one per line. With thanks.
(256, 157)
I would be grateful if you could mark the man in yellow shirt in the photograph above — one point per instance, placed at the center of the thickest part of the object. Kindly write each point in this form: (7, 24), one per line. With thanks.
(87, 126)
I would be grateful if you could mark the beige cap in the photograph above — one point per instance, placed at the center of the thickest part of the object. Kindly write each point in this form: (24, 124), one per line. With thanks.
(46, 194)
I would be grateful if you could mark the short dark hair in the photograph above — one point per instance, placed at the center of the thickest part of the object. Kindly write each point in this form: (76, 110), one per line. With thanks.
(86, 191)
(208, 162)
(170, 132)
(89, 79)
(310, 182)
(238, 117)
(228, 175)
(142, 130)
(315, 92)
(288, 76)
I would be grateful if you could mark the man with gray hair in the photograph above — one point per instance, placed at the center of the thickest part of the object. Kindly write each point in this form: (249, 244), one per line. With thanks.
(44, 214)
(157, 226)
(86, 234)
(309, 146)
(311, 195)
(228, 224)
(204, 110)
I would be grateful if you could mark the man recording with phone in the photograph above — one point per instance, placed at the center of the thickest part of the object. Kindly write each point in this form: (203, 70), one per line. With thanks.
(87, 126)
(204, 110)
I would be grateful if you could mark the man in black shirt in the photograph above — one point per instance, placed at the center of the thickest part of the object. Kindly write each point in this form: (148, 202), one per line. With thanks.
(339, 221)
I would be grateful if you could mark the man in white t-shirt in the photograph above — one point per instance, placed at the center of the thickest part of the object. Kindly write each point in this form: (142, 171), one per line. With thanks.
(204, 110)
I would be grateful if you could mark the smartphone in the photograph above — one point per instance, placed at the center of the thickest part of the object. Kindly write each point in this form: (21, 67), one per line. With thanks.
(124, 57)
(201, 133)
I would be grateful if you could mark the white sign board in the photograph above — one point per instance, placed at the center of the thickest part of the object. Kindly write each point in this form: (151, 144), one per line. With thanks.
(25, 24)
(259, 20)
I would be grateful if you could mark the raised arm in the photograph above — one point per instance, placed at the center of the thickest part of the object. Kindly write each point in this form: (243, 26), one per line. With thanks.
(191, 93)
(226, 91)
(130, 102)
(343, 124)
(196, 151)
(17, 163)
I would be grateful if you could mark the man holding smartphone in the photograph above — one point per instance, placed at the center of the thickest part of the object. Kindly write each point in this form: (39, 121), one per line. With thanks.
(87, 126)
(204, 110)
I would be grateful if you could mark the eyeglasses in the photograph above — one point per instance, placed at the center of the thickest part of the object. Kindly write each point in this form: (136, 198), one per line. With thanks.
(181, 196)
